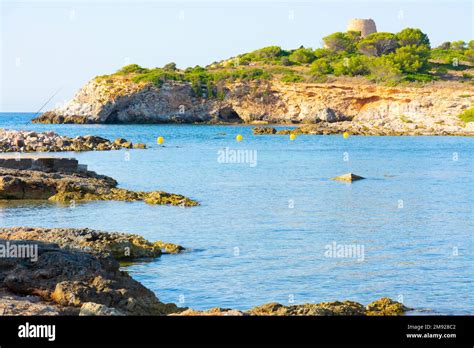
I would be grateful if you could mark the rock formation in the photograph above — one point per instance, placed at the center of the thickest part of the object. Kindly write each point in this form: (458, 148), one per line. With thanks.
(79, 274)
(349, 177)
(381, 307)
(66, 187)
(28, 141)
(431, 109)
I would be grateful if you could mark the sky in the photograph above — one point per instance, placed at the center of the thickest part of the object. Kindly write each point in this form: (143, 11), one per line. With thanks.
(52, 48)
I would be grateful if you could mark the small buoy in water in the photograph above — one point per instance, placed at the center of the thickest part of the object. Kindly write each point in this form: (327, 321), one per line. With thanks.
(292, 136)
(345, 135)
(239, 137)
(160, 140)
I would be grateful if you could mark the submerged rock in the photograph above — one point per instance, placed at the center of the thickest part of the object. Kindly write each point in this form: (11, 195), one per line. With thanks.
(349, 177)
(169, 248)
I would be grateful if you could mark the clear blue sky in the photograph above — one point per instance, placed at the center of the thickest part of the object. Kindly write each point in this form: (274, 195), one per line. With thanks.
(46, 46)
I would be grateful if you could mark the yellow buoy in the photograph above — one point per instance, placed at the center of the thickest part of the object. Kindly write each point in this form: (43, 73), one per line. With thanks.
(292, 136)
(239, 137)
(160, 140)
(345, 135)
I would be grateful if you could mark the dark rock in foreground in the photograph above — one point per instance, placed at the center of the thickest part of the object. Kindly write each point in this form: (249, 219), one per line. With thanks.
(66, 279)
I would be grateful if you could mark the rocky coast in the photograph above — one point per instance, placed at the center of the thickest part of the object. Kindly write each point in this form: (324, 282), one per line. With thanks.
(368, 128)
(60, 186)
(77, 272)
(29, 141)
(355, 106)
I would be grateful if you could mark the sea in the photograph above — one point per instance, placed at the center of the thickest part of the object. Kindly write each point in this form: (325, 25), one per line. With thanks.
(272, 226)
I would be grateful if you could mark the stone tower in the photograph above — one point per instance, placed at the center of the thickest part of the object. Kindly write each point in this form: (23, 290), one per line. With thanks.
(365, 26)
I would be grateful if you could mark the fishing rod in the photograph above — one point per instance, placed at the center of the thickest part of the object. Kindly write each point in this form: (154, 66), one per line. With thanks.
(46, 103)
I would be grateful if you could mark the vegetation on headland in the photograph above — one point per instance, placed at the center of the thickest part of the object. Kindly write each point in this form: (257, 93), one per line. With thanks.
(388, 58)
(467, 115)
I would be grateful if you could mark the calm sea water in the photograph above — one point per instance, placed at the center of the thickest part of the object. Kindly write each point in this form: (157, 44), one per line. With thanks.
(261, 232)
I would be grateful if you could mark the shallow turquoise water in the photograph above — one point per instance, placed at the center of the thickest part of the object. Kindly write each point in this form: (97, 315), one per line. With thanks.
(261, 232)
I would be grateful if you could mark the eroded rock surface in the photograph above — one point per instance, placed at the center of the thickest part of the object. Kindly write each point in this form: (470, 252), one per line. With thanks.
(383, 306)
(28, 141)
(122, 246)
(361, 108)
(67, 280)
(67, 187)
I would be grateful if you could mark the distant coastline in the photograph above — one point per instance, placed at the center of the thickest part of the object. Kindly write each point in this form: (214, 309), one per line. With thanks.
(364, 82)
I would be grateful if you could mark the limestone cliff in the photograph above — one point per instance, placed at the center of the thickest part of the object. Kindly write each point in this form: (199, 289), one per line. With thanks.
(434, 106)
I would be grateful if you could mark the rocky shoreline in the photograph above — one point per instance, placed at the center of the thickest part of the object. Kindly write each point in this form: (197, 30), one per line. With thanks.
(77, 272)
(360, 108)
(367, 129)
(74, 187)
(29, 141)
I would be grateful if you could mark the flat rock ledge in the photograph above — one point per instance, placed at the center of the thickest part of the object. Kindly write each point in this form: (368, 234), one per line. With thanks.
(74, 272)
(121, 246)
(28, 141)
(73, 187)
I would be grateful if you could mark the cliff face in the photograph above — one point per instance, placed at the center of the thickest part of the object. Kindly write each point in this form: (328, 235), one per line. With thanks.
(435, 106)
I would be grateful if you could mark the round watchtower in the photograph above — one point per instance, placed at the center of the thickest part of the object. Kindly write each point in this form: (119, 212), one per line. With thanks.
(365, 26)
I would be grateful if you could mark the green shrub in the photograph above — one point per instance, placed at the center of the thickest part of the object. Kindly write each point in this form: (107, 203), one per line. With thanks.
(267, 53)
(321, 53)
(378, 44)
(355, 65)
(321, 66)
(292, 78)
(458, 45)
(419, 77)
(131, 69)
(340, 42)
(302, 56)
(467, 115)
(285, 61)
(411, 59)
(469, 55)
(170, 67)
(409, 37)
(382, 69)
